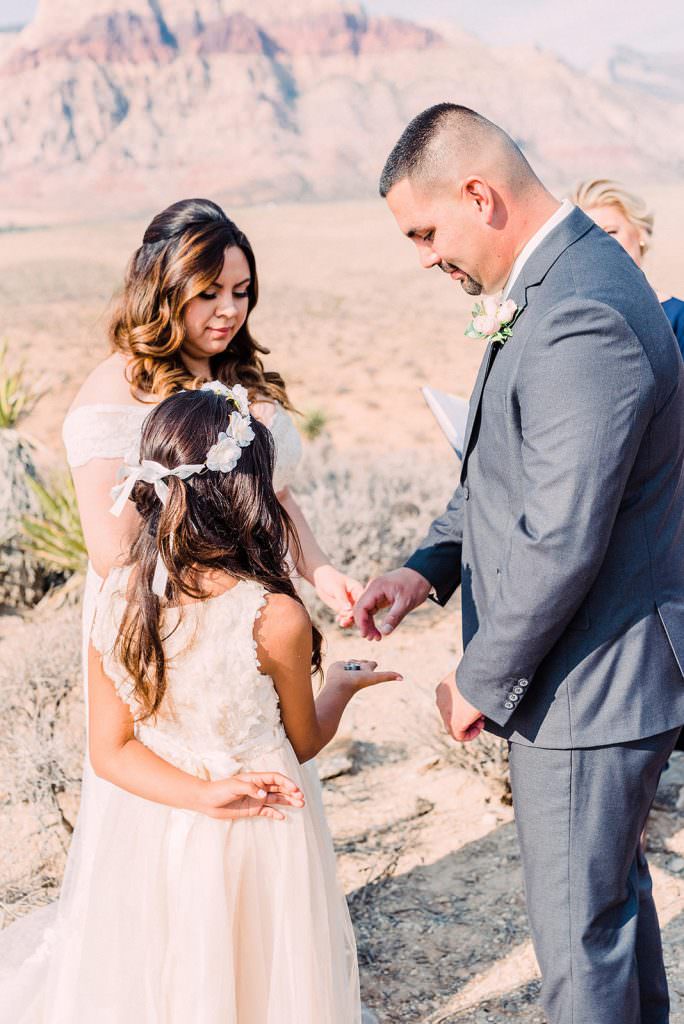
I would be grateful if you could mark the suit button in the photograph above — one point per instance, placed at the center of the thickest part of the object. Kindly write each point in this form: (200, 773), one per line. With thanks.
(466, 492)
(513, 697)
(518, 690)
(509, 706)
(523, 682)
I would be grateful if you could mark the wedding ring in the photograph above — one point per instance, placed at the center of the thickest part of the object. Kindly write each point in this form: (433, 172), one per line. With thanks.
(352, 666)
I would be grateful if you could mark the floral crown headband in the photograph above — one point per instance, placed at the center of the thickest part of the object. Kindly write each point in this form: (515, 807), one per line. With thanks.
(223, 456)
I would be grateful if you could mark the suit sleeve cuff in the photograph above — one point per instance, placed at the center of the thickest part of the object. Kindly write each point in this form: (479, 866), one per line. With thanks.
(441, 567)
(498, 698)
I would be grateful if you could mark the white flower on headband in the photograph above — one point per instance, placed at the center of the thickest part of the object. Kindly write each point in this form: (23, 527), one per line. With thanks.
(241, 397)
(239, 428)
(237, 394)
(217, 387)
(224, 455)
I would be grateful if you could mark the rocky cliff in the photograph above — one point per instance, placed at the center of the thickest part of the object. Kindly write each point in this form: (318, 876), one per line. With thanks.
(126, 103)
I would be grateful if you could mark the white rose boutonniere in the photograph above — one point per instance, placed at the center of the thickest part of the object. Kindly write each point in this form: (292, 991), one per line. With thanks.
(492, 320)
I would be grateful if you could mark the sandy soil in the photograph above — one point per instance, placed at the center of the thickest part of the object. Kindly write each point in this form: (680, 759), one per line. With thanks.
(427, 852)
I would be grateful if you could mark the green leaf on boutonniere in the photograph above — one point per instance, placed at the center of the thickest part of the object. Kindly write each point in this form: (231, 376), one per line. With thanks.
(470, 331)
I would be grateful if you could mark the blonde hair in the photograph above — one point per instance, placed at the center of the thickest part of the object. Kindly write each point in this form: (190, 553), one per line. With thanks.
(181, 254)
(605, 192)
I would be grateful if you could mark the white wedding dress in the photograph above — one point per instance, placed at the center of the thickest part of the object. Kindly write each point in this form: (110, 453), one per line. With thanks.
(167, 916)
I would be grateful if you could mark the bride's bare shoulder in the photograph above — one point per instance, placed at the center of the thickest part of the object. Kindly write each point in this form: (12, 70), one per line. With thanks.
(107, 383)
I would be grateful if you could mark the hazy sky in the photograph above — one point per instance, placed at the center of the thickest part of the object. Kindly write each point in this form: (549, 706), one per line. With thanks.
(581, 30)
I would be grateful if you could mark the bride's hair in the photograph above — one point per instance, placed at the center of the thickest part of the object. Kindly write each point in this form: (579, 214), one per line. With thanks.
(182, 253)
(228, 522)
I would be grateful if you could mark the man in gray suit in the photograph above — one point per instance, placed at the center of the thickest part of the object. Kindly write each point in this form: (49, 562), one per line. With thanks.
(566, 535)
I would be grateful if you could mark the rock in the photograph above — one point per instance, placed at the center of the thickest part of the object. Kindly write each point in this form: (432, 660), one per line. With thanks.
(428, 763)
(676, 865)
(368, 1016)
(23, 581)
(680, 800)
(333, 766)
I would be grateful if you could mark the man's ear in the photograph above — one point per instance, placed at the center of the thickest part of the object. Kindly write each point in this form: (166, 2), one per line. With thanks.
(478, 194)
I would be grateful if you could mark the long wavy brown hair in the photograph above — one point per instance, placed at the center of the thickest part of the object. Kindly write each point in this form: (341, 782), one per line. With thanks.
(181, 255)
(227, 522)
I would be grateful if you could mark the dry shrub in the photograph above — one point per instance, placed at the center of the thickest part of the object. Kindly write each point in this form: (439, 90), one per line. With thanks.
(41, 753)
(369, 514)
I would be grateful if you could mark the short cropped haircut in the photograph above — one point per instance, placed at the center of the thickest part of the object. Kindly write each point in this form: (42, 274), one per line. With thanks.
(411, 154)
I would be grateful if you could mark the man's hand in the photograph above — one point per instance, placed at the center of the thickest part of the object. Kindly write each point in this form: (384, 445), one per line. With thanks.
(401, 591)
(462, 721)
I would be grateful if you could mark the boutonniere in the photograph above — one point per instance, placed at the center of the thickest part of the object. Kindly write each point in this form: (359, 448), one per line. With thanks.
(492, 320)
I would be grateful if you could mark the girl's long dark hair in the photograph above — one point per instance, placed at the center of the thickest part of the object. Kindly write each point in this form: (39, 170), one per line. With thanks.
(231, 522)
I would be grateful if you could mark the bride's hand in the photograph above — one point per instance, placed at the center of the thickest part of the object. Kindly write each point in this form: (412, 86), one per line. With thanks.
(338, 591)
(250, 795)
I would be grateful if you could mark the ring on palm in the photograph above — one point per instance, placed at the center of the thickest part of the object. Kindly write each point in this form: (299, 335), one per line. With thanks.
(352, 666)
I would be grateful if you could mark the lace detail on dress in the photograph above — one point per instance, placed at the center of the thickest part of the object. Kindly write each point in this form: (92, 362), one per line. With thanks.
(288, 446)
(102, 431)
(218, 708)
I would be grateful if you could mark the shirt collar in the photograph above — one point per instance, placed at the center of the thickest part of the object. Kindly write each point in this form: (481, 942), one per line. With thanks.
(554, 220)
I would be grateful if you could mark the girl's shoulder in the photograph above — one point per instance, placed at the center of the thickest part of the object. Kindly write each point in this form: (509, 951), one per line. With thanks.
(283, 622)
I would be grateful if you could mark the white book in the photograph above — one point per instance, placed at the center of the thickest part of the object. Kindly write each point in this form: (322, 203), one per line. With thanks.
(451, 413)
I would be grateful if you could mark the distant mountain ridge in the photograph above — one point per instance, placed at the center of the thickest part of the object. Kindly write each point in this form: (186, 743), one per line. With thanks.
(129, 36)
(125, 103)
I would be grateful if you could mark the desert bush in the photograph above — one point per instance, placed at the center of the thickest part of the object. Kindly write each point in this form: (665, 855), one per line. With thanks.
(17, 396)
(368, 514)
(41, 753)
(55, 536)
(313, 423)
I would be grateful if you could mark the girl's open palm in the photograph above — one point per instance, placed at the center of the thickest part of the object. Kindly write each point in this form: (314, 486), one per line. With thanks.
(365, 675)
(251, 795)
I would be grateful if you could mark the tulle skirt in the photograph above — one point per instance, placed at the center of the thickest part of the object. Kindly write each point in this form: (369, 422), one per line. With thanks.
(170, 917)
(181, 918)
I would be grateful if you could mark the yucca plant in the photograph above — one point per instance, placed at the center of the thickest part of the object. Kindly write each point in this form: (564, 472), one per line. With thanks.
(17, 396)
(54, 536)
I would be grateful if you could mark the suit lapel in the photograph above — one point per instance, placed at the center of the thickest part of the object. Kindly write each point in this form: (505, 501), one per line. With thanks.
(568, 231)
(475, 400)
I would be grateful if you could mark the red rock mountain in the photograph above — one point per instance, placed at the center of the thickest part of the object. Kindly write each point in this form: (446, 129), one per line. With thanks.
(126, 103)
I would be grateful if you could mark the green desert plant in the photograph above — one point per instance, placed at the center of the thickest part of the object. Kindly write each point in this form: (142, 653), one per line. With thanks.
(313, 423)
(55, 537)
(17, 396)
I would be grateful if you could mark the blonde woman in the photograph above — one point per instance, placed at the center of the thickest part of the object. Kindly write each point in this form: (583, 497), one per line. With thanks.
(627, 217)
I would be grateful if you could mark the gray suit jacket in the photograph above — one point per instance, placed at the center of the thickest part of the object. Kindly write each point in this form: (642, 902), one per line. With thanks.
(566, 532)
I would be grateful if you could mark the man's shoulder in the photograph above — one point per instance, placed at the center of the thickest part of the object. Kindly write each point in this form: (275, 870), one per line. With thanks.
(595, 275)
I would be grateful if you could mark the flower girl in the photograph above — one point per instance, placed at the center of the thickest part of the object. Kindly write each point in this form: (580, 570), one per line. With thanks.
(209, 895)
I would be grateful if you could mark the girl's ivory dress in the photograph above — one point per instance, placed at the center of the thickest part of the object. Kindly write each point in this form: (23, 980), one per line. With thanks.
(167, 916)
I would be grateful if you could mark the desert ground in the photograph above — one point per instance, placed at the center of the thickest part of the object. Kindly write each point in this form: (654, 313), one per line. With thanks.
(427, 848)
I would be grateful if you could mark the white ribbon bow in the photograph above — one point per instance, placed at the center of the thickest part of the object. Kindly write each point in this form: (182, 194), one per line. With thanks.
(152, 473)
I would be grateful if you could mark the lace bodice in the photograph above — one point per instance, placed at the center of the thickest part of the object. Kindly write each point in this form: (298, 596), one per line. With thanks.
(219, 710)
(108, 431)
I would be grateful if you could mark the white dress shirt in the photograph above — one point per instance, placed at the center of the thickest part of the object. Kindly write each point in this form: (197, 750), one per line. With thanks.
(554, 220)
